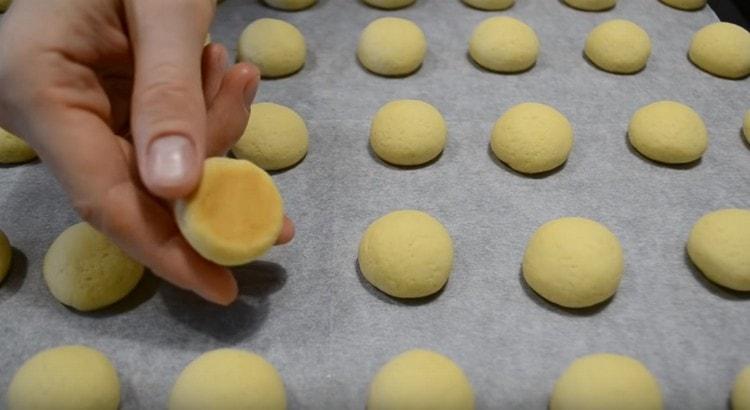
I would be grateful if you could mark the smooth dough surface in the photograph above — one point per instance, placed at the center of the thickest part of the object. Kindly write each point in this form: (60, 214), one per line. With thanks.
(618, 46)
(573, 262)
(5, 255)
(290, 4)
(669, 132)
(275, 46)
(13, 149)
(532, 138)
(228, 379)
(389, 4)
(85, 270)
(685, 4)
(420, 379)
(504, 44)
(65, 377)
(718, 245)
(490, 4)
(408, 132)
(406, 254)
(235, 215)
(746, 126)
(606, 381)
(392, 46)
(591, 5)
(275, 137)
(741, 390)
(722, 49)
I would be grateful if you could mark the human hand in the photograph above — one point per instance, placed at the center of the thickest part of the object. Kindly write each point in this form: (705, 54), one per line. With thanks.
(123, 103)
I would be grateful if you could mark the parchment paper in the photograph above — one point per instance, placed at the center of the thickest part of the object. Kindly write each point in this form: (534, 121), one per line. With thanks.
(306, 309)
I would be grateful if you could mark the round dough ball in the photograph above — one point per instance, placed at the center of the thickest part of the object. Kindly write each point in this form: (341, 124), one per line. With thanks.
(13, 149)
(722, 49)
(228, 379)
(490, 4)
(275, 46)
(606, 381)
(65, 377)
(406, 254)
(532, 138)
(618, 46)
(392, 46)
(5, 255)
(290, 4)
(685, 4)
(85, 270)
(4, 4)
(573, 262)
(275, 137)
(591, 5)
(504, 44)
(718, 245)
(215, 219)
(420, 379)
(408, 132)
(746, 126)
(389, 4)
(741, 391)
(669, 132)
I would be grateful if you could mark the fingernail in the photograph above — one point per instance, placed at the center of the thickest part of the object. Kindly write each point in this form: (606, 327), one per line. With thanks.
(169, 159)
(223, 297)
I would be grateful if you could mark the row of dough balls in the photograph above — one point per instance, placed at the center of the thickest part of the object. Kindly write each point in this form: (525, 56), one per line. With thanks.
(391, 46)
(81, 377)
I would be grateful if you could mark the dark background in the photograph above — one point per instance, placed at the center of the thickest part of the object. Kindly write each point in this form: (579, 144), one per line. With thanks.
(732, 11)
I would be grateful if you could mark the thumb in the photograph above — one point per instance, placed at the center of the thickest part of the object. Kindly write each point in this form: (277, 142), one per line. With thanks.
(168, 113)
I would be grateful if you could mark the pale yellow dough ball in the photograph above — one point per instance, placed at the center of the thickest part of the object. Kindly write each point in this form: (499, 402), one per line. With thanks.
(5, 255)
(275, 46)
(389, 4)
(66, 377)
(392, 46)
(420, 379)
(573, 262)
(741, 391)
(504, 44)
(722, 49)
(618, 46)
(85, 270)
(490, 4)
(532, 138)
(408, 132)
(606, 381)
(13, 149)
(591, 5)
(290, 4)
(228, 379)
(685, 4)
(669, 132)
(406, 254)
(746, 126)
(718, 245)
(4, 4)
(275, 137)
(235, 215)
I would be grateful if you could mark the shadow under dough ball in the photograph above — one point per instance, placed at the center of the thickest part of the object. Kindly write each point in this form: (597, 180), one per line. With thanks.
(722, 49)
(85, 270)
(668, 132)
(504, 44)
(685, 4)
(591, 5)
(228, 379)
(618, 46)
(573, 262)
(606, 381)
(389, 4)
(275, 46)
(65, 377)
(718, 245)
(532, 138)
(420, 379)
(392, 46)
(746, 126)
(5, 255)
(493, 5)
(290, 5)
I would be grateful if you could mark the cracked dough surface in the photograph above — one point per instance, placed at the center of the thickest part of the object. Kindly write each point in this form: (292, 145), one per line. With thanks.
(722, 49)
(392, 46)
(408, 132)
(504, 44)
(618, 46)
(718, 245)
(668, 132)
(275, 46)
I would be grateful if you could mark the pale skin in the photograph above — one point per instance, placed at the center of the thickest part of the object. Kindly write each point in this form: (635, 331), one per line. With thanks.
(122, 102)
